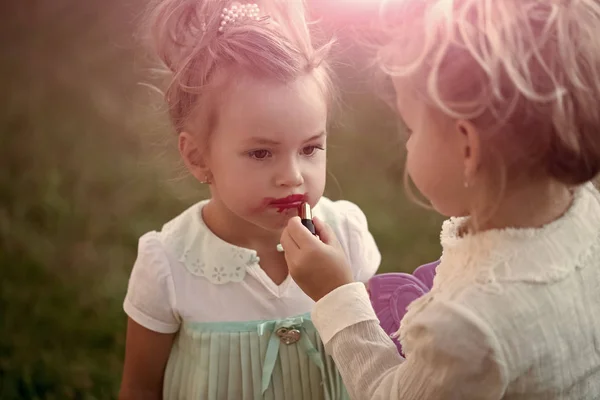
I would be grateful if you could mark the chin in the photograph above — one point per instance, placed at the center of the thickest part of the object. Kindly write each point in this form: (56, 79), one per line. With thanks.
(277, 221)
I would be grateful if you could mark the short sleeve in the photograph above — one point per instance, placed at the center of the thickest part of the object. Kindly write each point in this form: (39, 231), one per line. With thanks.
(150, 299)
(360, 245)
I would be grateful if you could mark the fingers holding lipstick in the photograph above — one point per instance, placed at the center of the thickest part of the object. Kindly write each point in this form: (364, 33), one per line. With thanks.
(287, 241)
(318, 267)
(325, 233)
(296, 237)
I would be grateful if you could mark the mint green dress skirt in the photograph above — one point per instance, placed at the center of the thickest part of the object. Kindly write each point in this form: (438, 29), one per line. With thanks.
(277, 359)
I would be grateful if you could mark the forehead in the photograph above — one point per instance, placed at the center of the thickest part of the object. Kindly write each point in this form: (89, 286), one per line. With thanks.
(416, 113)
(411, 104)
(273, 110)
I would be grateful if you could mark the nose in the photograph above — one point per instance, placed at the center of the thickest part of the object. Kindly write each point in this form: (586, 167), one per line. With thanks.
(289, 174)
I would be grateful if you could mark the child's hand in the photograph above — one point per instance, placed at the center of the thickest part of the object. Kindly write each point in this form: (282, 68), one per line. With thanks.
(317, 266)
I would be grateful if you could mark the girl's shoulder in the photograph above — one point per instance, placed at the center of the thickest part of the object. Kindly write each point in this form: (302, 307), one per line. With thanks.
(350, 225)
(186, 223)
(340, 213)
(542, 255)
(189, 242)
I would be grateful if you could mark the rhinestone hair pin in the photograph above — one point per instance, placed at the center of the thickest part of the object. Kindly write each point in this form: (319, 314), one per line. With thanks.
(237, 13)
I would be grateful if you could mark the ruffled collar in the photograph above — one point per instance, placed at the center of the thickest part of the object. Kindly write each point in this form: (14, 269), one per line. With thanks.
(535, 255)
(544, 254)
(202, 252)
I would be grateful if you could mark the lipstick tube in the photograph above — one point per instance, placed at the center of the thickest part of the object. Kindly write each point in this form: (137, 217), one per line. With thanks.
(306, 218)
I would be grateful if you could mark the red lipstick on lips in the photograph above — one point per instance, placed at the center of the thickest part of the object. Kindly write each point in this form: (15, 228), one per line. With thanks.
(285, 203)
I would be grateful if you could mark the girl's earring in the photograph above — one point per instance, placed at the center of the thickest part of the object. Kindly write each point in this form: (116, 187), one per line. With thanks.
(206, 180)
(467, 182)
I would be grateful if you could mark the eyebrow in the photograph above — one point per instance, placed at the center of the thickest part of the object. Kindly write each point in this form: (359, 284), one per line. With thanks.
(271, 142)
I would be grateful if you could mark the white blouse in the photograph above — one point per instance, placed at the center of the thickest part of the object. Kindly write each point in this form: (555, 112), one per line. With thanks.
(513, 314)
(187, 273)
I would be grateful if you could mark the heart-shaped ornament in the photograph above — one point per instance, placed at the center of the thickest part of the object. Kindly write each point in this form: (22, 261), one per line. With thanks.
(288, 335)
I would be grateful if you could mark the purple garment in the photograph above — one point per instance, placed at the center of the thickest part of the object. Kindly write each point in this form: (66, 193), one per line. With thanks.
(391, 293)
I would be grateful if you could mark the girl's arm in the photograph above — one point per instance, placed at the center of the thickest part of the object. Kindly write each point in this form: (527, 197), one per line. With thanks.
(146, 356)
(451, 354)
(151, 306)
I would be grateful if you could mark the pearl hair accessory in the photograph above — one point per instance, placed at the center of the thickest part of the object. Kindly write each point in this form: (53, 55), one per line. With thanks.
(236, 13)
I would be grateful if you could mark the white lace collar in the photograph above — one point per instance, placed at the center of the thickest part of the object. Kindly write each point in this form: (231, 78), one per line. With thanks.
(540, 255)
(202, 252)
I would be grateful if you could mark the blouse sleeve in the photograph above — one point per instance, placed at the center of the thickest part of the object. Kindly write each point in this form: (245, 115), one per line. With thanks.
(150, 299)
(359, 242)
(451, 353)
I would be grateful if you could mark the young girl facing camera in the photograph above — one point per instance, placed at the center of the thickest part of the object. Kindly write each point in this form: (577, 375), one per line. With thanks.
(213, 313)
(501, 101)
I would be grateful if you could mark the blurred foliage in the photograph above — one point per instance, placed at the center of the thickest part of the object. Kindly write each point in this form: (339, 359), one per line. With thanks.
(88, 164)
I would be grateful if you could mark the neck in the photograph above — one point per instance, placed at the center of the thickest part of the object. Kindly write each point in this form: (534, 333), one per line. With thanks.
(528, 206)
(237, 231)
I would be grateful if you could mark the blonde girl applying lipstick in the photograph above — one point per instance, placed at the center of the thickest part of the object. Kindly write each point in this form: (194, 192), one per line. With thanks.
(213, 312)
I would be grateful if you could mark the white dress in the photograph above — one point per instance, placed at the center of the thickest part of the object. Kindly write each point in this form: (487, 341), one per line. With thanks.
(233, 322)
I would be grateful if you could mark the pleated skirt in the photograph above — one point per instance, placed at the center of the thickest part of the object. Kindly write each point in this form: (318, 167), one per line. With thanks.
(277, 359)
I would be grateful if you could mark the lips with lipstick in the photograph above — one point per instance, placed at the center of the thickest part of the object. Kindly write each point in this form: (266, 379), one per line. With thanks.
(293, 201)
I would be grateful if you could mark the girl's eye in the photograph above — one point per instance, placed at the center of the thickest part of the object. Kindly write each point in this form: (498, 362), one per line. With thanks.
(259, 154)
(311, 150)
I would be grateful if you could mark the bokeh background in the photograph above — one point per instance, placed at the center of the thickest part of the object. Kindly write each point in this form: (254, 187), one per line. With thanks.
(88, 163)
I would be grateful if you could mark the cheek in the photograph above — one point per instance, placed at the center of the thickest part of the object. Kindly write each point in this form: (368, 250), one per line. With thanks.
(316, 171)
(240, 193)
(241, 179)
(420, 160)
(436, 172)
(236, 182)
(227, 170)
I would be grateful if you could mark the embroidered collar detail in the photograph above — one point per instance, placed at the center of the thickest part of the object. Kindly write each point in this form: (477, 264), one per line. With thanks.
(541, 255)
(202, 252)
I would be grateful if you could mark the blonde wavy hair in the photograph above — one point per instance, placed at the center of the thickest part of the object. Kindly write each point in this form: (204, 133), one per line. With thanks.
(201, 62)
(525, 72)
